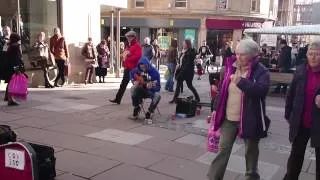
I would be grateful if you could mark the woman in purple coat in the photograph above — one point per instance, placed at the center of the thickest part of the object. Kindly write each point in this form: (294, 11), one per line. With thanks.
(240, 109)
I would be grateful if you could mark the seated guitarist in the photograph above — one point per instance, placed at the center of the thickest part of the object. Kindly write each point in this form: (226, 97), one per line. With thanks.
(146, 84)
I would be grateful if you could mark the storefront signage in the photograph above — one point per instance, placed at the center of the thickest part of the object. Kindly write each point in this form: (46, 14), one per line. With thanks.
(222, 4)
(164, 42)
(232, 24)
(190, 34)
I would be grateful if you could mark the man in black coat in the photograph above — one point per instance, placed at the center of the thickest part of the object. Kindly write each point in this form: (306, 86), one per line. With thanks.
(303, 112)
(284, 63)
(4, 40)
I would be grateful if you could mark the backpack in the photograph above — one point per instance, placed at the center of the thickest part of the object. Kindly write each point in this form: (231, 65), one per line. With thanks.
(7, 135)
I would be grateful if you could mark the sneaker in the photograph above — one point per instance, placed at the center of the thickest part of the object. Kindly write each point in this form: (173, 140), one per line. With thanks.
(12, 103)
(114, 101)
(148, 119)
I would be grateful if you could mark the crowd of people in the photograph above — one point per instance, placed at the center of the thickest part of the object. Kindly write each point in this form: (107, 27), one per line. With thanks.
(240, 106)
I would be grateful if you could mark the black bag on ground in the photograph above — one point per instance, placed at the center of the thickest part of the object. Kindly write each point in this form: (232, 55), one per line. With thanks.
(46, 161)
(187, 106)
(7, 135)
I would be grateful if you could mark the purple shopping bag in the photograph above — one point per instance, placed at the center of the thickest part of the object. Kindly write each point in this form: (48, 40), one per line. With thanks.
(18, 86)
(213, 137)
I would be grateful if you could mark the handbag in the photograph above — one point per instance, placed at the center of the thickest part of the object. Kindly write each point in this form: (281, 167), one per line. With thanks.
(213, 137)
(18, 86)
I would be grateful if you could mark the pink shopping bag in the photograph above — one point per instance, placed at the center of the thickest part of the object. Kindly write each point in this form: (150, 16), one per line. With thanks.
(213, 137)
(18, 86)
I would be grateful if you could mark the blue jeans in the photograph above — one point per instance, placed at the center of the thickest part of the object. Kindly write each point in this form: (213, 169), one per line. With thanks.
(170, 82)
(140, 93)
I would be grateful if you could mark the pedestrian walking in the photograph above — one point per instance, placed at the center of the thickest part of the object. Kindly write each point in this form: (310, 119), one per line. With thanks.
(186, 72)
(4, 41)
(89, 54)
(132, 57)
(59, 49)
(147, 49)
(103, 61)
(157, 53)
(172, 62)
(40, 54)
(303, 112)
(240, 109)
(14, 63)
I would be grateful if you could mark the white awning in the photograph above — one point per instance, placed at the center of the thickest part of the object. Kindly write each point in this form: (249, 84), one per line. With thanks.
(287, 30)
(115, 3)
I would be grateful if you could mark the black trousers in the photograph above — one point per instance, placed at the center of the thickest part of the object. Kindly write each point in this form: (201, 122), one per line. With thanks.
(60, 65)
(295, 161)
(190, 86)
(123, 85)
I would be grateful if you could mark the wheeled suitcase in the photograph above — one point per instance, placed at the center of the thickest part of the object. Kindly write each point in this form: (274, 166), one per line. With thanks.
(187, 106)
(18, 162)
(46, 161)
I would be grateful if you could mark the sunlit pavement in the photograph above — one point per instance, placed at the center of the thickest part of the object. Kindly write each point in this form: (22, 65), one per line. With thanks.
(95, 140)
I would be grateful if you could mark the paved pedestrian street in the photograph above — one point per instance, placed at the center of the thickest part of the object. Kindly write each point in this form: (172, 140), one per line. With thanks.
(95, 140)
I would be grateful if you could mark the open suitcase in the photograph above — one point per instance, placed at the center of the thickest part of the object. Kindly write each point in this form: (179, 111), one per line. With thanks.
(18, 162)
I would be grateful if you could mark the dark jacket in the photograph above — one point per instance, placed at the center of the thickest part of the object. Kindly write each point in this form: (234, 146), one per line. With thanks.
(253, 123)
(3, 66)
(294, 108)
(13, 59)
(135, 53)
(152, 74)
(285, 59)
(173, 55)
(148, 51)
(186, 71)
(58, 47)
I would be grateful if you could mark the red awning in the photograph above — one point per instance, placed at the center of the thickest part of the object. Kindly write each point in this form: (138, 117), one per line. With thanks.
(232, 24)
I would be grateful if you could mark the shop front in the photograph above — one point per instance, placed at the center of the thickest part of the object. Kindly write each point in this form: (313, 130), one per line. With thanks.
(220, 32)
(156, 28)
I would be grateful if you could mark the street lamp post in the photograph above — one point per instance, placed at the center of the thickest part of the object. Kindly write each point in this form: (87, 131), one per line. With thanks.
(118, 44)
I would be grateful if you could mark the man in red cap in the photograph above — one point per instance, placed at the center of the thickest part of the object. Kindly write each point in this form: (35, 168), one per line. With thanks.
(133, 55)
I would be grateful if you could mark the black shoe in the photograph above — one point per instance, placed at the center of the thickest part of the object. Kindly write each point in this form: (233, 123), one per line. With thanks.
(12, 103)
(148, 119)
(173, 101)
(56, 85)
(114, 101)
(136, 111)
(49, 86)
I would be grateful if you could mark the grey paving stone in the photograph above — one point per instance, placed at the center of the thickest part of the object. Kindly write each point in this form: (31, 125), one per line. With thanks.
(83, 165)
(158, 132)
(127, 172)
(122, 124)
(37, 122)
(181, 168)
(6, 117)
(193, 139)
(118, 136)
(173, 148)
(74, 128)
(201, 123)
(129, 154)
(68, 176)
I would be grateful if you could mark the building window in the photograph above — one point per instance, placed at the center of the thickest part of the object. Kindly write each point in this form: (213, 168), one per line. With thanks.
(255, 5)
(139, 3)
(222, 4)
(180, 3)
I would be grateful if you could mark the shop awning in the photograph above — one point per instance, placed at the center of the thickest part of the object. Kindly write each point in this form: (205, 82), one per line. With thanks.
(287, 30)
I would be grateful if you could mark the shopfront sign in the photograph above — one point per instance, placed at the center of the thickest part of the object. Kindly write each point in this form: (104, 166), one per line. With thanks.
(232, 24)
(164, 42)
(190, 34)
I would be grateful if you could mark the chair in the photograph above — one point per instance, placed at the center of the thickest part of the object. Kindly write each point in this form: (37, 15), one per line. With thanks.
(142, 106)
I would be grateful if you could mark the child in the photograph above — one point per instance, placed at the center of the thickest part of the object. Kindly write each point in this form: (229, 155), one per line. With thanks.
(199, 68)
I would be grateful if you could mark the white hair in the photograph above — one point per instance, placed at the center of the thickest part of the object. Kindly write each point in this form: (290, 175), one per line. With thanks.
(315, 44)
(248, 46)
(147, 40)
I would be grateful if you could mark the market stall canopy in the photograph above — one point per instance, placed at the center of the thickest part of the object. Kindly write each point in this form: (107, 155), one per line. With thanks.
(288, 30)
(115, 3)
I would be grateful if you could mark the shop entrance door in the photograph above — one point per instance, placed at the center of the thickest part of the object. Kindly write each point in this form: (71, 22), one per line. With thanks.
(216, 39)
